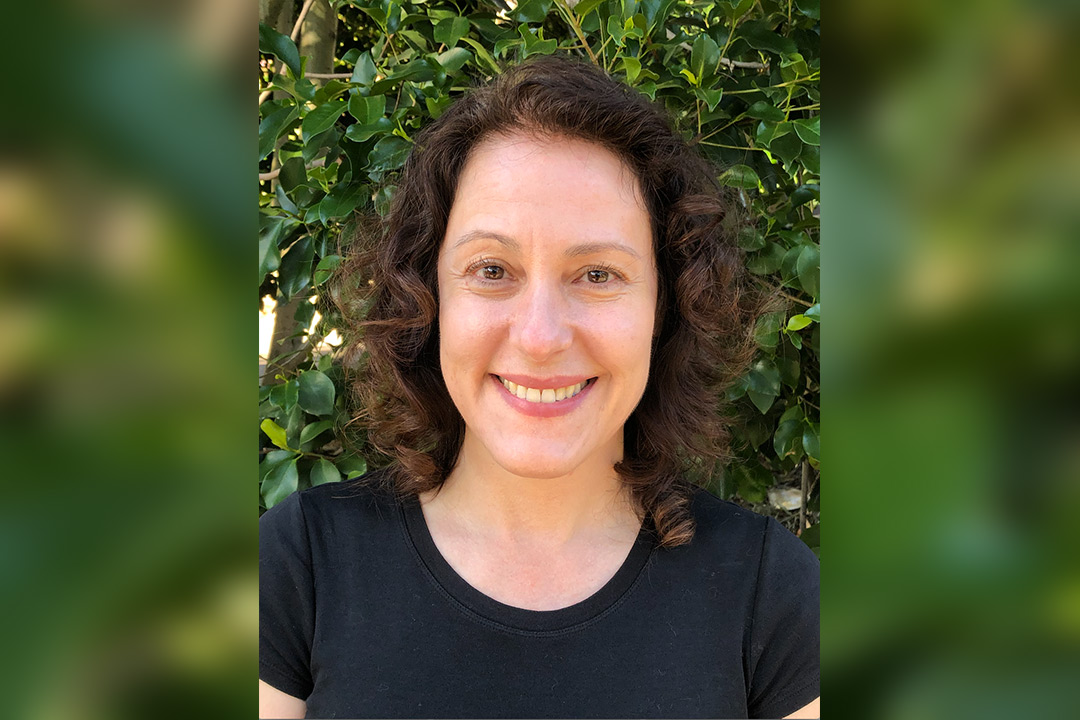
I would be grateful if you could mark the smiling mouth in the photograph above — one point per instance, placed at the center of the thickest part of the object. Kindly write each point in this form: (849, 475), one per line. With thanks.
(545, 396)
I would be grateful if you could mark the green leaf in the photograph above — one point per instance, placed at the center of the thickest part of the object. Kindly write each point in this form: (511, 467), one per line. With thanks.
(704, 57)
(711, 97)
(615, 30)
(449, 30)
(764, 378)
(786, 146)
(788, 439)
(762, 110)
(752, 481)
(293, 173)
(269, 256)
(284, 395)
(812, 537)
(632, 68)
(361, 133)
(364, 72)
(767, 330)
(787, 265)
(787, 361)
(756, 430)
(805, 193)
(809, 8)
(323, 471)
(383, 199)
(797, 322)
(272, 126)
(534, 42)
(389, 153)
(273, 458)
(367, 109)
(454, 59)
(280, 46)
(530, 11)
(316, 393)
(750, 238)
(761, 401)
(330, 90)
(811, 158)
(352, 466)
(483, 54)
(767, 132)
(760, 37)
(766, 260)
(740, 176)
(809, 131)
(808, 267)
(341, 201)
(279, 483)
(814, 312)
(275, 432)
(295, 272)
(312, 431)
(321, 118)
(585, 7)
(793, 412)
(810, 440)
(326, 268)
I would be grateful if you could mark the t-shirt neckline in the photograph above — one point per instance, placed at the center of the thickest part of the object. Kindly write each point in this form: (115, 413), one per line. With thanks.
(520, 618)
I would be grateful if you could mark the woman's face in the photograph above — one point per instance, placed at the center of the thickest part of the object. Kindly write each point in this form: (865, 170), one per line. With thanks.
(547, 299)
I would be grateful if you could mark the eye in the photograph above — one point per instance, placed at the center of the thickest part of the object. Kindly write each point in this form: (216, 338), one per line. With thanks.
(598, 276)
(491, 272)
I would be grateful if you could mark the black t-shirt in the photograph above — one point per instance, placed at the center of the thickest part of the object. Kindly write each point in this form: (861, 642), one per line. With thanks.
(361, 616)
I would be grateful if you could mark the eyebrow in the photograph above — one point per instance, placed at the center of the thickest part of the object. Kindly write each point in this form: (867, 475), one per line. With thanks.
(573, 251)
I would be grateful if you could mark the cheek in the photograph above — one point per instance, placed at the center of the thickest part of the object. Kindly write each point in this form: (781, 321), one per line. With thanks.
(465, 332)
(626, 337)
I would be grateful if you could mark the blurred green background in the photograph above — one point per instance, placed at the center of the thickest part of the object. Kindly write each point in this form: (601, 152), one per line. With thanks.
(950, 228)
(950, 366)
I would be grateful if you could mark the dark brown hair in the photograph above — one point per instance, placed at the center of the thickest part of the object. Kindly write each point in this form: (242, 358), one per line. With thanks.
(703, 312)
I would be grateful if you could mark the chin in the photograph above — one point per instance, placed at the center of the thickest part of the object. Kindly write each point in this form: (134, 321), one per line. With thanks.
(539, 468)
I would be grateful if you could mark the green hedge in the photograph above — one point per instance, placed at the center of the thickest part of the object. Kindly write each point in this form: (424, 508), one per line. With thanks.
(740, 79)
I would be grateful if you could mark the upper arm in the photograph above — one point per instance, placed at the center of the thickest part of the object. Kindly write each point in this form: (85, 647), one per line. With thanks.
(275, 704)
(813, 710)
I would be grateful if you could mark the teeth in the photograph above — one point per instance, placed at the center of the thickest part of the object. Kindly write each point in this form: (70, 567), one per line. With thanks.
(545, 395)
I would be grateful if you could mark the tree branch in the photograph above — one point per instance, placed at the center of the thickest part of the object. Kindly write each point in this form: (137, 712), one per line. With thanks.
(263, 177)
(293, 35)
(805, 492)
(743, 64)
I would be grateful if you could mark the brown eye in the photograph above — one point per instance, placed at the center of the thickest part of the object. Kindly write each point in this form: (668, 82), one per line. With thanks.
(492, 272)
(598, 276)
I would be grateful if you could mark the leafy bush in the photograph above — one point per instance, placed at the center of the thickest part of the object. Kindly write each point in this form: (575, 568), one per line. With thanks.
(739, 77)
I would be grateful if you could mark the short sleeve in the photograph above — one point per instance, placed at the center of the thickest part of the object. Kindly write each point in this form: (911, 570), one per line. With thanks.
(785, 636)
(286, 599)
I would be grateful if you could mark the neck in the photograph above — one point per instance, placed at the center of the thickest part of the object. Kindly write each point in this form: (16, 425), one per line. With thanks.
(481, 497)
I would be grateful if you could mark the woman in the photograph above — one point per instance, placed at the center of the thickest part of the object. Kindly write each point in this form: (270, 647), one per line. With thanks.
(556, 306)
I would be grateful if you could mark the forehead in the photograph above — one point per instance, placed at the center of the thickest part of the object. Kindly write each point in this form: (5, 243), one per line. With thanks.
(552, 186)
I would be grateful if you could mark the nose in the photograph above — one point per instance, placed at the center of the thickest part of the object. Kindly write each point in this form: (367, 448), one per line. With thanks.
(543, 324)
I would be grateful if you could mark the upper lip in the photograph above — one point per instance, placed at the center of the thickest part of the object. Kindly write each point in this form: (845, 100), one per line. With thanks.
(556, 381)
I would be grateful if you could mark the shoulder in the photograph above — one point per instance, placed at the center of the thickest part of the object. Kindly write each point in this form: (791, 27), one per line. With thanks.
(732, 531)
(332, 510)
(722, 523)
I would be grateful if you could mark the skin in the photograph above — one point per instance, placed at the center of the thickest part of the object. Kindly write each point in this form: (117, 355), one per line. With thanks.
(546, 275)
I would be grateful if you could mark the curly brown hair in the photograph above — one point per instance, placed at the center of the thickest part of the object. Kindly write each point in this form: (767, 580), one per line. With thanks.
(704, 307)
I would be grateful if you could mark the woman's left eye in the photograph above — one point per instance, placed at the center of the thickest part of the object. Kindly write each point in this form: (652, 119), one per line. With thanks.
(598, 276)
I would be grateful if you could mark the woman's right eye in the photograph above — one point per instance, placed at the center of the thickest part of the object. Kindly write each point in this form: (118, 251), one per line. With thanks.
(491, 272)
